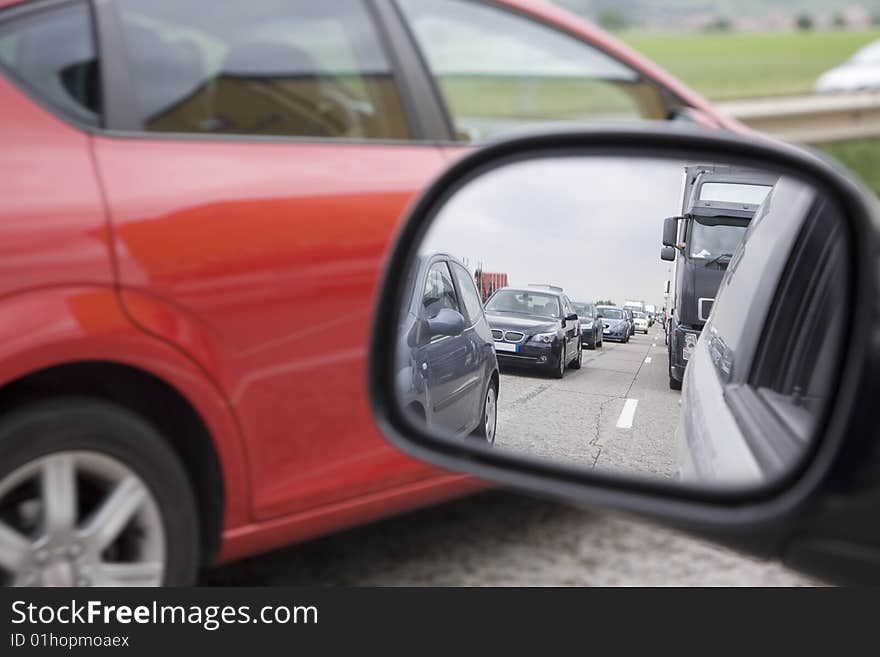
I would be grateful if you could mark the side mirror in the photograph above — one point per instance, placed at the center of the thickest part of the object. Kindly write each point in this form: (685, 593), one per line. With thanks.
(447, 323)
(670, 231)
(667, 253)
(571, 318)
(770, 446)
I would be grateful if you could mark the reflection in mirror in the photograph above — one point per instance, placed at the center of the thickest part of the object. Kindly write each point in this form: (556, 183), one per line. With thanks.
(558, 305)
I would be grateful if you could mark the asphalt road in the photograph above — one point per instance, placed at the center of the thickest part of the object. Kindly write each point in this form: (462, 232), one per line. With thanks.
(503, 539)
(616, 413)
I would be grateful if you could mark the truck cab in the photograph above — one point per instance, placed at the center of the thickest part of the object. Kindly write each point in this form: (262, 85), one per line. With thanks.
(718, 202)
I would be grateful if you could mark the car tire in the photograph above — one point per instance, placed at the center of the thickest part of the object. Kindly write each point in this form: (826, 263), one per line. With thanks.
(559, 370)
(579, 359)
(485, 431)
(104, 458)
(674, 384)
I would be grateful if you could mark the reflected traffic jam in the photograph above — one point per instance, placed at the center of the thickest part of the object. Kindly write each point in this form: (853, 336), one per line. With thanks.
(614, 410)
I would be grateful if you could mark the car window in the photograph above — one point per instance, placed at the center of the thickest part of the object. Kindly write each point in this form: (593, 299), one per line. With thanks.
(803, 336)
(750, 282)
(266, 67)
(498, 70)
(439, 291)
(52, 53)
(566, 306)
(469, 295)
(529, 303)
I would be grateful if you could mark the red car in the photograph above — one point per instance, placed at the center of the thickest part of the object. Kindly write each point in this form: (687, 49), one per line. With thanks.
(196, 198)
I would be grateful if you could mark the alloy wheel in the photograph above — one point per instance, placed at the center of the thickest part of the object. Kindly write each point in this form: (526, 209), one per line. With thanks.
(490, 417)
(79, 518)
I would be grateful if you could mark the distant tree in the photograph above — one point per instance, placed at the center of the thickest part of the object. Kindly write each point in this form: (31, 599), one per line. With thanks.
(838, 20)
(605, 302)
(720, 24)
(613, 20)
(805, 22)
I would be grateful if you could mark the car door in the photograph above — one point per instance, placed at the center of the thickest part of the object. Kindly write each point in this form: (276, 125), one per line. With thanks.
(259, 157)
(451, 359)
(479, 337)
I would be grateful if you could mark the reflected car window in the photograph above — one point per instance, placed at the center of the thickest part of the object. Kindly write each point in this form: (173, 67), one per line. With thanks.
(611, 313)
(439, 290)
(528, 303)
(469, 294)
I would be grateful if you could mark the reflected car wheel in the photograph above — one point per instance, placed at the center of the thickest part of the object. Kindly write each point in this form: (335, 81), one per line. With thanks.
(559, 372)
(91, 495)
(486, 430)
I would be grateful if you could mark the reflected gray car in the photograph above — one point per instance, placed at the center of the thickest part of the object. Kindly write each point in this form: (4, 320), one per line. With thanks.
(447, 372)
(760, 373)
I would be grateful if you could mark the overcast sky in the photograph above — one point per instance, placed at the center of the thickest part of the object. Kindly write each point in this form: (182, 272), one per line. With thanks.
(589, 224)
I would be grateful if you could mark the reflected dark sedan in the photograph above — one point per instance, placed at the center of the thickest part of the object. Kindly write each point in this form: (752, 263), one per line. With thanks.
(535, 327)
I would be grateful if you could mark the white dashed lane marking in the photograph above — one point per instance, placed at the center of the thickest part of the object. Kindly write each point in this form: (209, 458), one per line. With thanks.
(625, 421)
(648, 360)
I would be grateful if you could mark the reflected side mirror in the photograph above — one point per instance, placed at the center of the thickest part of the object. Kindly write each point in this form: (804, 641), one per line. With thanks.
(447, 323)
(670, 231)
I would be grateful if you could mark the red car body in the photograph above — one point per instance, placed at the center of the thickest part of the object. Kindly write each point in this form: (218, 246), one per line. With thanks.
(240, 275)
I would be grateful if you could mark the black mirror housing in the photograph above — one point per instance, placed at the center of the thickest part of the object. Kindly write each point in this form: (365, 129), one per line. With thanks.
(820, 518)
(667, 253)
(670, 231)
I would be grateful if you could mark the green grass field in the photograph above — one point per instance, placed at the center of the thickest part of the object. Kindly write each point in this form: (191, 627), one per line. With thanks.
(724, 65)
(740, 65)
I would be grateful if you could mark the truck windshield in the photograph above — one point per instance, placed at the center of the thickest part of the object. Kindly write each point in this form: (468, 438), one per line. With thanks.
(714, 242)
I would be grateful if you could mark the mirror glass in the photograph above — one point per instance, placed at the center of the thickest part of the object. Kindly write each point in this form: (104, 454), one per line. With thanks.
(541, 314)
